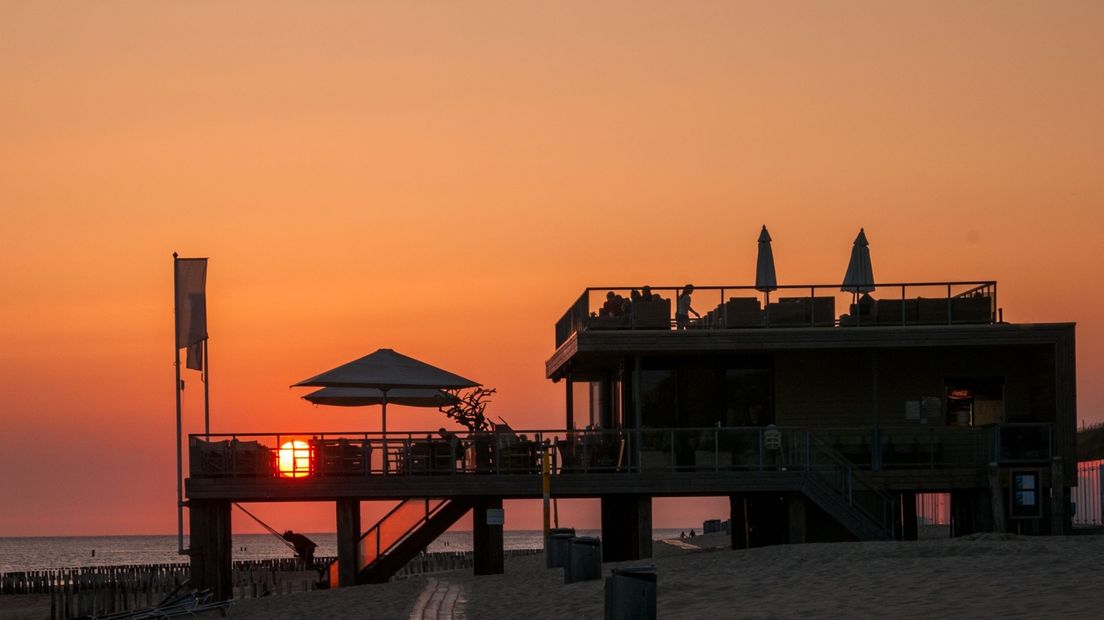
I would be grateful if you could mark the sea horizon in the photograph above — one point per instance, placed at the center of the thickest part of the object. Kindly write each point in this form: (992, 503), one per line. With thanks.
(35, 553)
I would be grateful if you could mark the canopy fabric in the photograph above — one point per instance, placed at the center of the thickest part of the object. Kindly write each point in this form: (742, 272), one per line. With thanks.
(860, 274)
(765, 278)
(365, 397)
(385, 369)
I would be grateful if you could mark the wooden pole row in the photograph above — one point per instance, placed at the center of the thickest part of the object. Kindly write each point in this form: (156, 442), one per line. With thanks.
(95, 590)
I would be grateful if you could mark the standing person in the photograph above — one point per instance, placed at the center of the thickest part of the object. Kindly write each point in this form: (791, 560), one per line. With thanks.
(683, 309)
(304, 547)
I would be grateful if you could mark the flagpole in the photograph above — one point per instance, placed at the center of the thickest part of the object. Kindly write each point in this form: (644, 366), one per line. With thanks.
(179, 455)
(206, 390)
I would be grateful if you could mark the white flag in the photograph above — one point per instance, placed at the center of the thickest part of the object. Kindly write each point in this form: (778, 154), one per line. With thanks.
(191, 308)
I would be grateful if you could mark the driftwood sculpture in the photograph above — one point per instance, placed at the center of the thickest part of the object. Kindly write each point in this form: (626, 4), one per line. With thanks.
(471, 408)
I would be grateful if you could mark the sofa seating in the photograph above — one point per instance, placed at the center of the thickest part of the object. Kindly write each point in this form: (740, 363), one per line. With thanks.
(655, 314)
(806, 311)
(742, 312)
(977, 309)
(889, 312)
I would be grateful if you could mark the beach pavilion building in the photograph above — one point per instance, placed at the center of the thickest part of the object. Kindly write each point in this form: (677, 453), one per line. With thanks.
(822, 415)
(823, 425)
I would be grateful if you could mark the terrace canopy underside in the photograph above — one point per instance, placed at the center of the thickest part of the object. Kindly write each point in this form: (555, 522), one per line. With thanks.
(591, 351)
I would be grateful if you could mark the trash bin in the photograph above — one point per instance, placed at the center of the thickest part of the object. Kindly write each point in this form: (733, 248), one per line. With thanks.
(558, 540)
(584, 559)
(631, 593)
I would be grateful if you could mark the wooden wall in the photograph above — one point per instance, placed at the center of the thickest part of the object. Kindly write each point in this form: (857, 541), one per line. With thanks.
(836, 387)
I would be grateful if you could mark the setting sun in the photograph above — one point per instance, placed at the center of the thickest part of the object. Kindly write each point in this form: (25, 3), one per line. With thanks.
(295, 459)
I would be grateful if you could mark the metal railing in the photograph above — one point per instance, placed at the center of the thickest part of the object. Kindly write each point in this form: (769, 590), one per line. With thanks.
(801, 305)
(625, 450)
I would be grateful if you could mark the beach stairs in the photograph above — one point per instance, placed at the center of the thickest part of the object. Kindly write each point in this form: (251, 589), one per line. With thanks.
(834, 484)
(400, 536)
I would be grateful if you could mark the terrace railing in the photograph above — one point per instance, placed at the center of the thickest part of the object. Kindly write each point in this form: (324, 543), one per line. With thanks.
(321, 455)
(804, 305)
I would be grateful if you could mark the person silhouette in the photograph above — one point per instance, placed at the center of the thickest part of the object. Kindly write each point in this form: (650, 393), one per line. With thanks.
(683, 309)
(304, 547)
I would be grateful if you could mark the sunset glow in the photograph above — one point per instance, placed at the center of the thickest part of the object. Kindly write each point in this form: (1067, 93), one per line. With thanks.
(295, 458)
(445, 179)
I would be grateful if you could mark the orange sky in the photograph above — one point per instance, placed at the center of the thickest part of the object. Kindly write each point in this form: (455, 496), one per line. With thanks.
(444, 179)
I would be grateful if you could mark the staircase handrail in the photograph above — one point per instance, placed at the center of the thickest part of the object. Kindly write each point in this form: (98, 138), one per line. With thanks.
(847, 469)
(382, 550)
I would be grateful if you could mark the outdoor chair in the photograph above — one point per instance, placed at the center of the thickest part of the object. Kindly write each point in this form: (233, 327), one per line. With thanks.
(209, 458)
(250, 458)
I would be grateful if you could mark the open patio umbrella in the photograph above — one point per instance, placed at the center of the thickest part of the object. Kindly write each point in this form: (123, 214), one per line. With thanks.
(386, 370)
(366, 397)
(860, 275)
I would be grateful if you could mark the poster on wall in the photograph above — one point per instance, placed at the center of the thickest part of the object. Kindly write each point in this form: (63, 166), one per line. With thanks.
(1027, 502)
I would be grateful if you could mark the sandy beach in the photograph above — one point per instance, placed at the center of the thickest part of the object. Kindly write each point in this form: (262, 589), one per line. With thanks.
(987, 576)
(980, 576)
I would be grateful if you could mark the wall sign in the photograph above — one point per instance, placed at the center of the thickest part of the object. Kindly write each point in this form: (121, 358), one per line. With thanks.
(1027, 498)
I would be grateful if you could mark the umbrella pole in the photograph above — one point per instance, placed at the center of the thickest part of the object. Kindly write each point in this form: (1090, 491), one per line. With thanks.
(384, 428)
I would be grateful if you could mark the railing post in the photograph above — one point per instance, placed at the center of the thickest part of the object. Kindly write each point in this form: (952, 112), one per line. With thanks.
(674, 463)
(902, 304)
(812, 306)
(639, 452)
(948, 304)
(850, 485)
(759, 435)
(717, 448)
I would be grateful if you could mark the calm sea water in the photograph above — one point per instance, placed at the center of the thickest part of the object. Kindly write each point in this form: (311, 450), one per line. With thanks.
(38, 553)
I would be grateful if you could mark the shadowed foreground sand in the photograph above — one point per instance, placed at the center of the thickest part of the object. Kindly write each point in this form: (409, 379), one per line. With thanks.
(980, 576)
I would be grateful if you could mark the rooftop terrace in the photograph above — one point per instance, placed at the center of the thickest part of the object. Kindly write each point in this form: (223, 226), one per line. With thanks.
(813, 306)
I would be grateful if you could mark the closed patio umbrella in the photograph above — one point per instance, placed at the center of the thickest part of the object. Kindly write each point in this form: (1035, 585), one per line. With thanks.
(765, 278)
(860, 275)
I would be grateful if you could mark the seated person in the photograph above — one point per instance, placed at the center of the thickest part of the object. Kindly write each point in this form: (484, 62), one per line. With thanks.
(612, 307)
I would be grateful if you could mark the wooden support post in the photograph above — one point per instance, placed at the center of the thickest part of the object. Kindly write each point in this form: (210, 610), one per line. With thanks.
(348, 542)
(909, 529)
(996, 498)
(487, 524)
(738, 520)
(211, 546)
(626, 527)
(1057, 498)
(795, 503)
(570, 402)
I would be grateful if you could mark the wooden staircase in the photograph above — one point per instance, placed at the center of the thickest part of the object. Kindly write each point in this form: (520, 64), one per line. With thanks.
(400, 535)
(832, 483)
